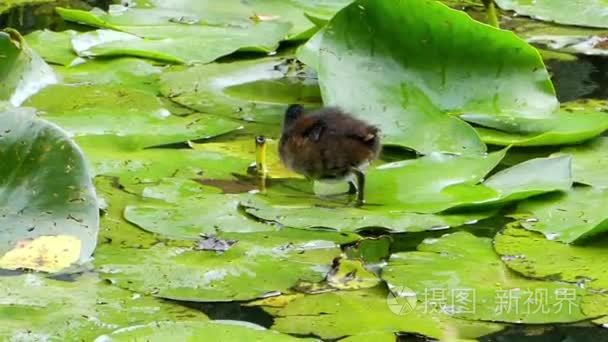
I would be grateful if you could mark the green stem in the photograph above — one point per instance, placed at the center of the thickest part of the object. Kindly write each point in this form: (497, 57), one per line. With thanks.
(491, 16)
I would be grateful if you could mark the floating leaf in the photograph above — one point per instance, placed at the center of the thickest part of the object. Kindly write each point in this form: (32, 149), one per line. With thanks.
(246, 149)
(591, 13)
(246, 271)
(45, 189)
(137, 168)
(185, 331)
(253, 90)
(575, 122)
(351, 313)
(22, 71)
(350, 275)
(567, 217)
(229, 13)
(305, 211)
(391, 87)
(54, 47)
(36, 308)
(445, 274)
(589, 162)
(133, 73)
(532, 255)
(113, 227)
(177, 212)
(170, 41)
(44, 253)
(430, 184)
(136, 117)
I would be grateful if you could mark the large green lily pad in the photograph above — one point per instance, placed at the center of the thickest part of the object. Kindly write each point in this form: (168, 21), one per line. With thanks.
(352, 313)
(136, 117)
(567, 217)
(402, 196)
(532, 255)
(54, 47)
(171, 41)
(247, 270)
(446, 276)
(305, 211)
(439, 182)
(35, 308)
(192, 330)
(575, 122)
(411, 92)
(132, 73)
(136, 168)
(231, 12)
(113, 228)
(253, 90)
(174, 209)
(589, 162)
(22, 71)
(592, 13)
(45, 192)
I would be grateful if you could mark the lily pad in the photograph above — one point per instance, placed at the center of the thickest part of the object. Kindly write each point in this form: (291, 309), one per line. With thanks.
(352, 313)
(445, 275)
(442, 182)
(591, 13)
(35, 308)
(187, 331)
(54, 47)
(247, 270)
(171, 41)
(113, 228)
(412, 92)
(245, 149)
(305, 211)
(575, 122)
(589, 162)
(177, 213)
(22, 71)
(45, 189)
(231, 12)
(137, 168)
(567, 217)
(138, 118)
(402, 196)
(253, 90)
(532, 255)
(132, 73)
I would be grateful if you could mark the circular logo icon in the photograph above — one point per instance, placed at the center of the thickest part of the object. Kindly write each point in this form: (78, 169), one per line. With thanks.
(401, 300)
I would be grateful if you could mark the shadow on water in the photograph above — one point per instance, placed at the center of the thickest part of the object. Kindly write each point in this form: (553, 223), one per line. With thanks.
(583, 78)
(232, 311)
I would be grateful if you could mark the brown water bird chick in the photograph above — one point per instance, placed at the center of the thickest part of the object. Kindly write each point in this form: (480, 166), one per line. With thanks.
(328, 145)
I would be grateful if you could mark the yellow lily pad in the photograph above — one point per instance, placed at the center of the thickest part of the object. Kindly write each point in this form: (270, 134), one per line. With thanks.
(45, 253)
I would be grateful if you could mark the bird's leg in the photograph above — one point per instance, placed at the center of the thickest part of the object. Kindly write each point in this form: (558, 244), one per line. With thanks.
(260, 161)
(352, 187)
(360, 178)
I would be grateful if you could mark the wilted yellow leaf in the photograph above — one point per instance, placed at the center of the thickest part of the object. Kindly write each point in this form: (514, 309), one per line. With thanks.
(45, 253)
